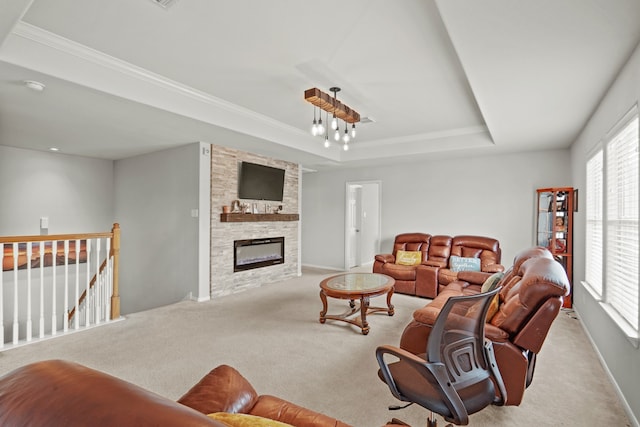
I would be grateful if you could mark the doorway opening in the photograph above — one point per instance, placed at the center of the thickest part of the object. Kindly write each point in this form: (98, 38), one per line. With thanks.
(362, 222)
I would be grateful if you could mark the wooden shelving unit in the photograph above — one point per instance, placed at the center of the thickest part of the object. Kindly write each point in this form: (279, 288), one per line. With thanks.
(554, 228)
(247, 217)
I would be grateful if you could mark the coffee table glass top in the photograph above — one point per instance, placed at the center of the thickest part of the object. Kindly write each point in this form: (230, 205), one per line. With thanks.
(357, 282)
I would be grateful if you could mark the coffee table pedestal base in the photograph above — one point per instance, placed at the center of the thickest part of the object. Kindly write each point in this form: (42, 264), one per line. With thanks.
(364, 308)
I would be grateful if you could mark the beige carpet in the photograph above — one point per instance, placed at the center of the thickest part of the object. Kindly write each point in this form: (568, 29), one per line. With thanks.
(271, 334)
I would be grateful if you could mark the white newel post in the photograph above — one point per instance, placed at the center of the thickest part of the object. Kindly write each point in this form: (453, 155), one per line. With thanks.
(16, 324)
(97, 291)
(87, 299)
(41, 329)
(29, 324)
(65, 321)
(54, 253)
(76, 318)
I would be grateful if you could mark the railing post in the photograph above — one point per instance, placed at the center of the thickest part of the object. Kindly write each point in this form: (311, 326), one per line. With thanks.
(115, 297)
(16, 324)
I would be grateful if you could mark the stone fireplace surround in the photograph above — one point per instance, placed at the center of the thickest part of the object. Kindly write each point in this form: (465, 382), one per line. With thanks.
(224, 189)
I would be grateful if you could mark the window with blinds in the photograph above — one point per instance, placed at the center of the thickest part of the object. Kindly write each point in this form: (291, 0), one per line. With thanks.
(594, 239)
(621, 255)
(612, 217)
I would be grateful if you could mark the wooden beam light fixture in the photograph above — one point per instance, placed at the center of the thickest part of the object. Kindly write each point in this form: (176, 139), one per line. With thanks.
(331, 105)
(337, 109)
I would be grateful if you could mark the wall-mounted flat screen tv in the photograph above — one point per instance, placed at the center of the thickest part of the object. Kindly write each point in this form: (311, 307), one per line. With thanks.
(260, 182)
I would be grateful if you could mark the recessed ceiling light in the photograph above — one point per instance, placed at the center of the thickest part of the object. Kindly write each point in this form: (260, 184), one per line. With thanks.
(34, 85)
(54, 149)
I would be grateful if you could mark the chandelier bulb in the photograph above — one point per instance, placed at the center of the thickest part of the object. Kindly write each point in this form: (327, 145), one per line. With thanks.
(320, 127)
(345, 147)
(327, 143)
(353, 130)
(334, 123)
(314, 128)
(345, 138)
(336, 135)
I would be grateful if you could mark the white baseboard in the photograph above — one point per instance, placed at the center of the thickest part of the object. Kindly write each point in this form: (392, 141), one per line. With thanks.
(322, 267)
(625, 404)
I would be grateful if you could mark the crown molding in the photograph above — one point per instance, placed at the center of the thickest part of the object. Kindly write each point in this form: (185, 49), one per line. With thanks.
(54, 41)
(41, 50)
(431, 136)
(31, 47)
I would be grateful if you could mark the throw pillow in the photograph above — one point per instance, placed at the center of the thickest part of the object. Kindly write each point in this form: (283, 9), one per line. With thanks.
(492, 282)
(245, 420)
(494, 306)
(408, 257)
(457, 263)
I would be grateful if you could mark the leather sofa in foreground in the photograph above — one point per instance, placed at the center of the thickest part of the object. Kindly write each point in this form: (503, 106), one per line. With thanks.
(433, 267)
(529, 301)
(60, 393)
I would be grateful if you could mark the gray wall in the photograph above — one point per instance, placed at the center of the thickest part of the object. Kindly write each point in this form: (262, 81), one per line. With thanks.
(370, 222)
(75, 193)
(155, 194)
(622, 359)
(488, 195)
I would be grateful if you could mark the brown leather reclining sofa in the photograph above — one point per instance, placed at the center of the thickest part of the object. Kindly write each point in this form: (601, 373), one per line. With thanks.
(434, 273)
(530, 299)
(56, 393)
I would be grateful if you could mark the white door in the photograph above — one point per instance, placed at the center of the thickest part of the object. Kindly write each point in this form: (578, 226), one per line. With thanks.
(354, 212)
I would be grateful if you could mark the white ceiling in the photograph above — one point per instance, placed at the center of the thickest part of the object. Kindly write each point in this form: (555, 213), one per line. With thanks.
(443, 77)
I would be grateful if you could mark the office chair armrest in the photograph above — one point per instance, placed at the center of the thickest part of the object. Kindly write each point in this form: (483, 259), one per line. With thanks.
(384, 368)
(436, 370)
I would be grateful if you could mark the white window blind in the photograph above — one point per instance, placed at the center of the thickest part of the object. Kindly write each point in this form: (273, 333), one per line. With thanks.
(594, 238)
(622, 247)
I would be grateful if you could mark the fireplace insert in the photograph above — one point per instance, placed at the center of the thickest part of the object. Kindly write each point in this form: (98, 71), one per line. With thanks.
(256, 253)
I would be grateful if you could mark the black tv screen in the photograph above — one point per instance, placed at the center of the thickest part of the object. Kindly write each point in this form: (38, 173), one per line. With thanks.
(260, 182)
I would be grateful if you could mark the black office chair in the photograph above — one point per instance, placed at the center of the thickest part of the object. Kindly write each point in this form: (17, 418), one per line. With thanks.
(454, 377)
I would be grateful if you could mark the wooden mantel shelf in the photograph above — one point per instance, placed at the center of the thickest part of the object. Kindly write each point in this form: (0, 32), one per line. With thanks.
(240, 217)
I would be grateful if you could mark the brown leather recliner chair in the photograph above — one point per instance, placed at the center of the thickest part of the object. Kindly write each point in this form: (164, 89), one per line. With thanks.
(404, 275)
(63, 393)
(532, 293)
(485, 248)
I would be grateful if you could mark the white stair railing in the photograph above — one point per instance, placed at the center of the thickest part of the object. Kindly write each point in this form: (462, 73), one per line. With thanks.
(31, 291)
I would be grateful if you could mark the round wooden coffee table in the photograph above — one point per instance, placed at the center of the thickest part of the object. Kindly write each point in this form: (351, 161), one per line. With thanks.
(356, 286)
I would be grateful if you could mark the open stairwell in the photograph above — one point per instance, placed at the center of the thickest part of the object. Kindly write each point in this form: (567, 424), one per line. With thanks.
(53, 285)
